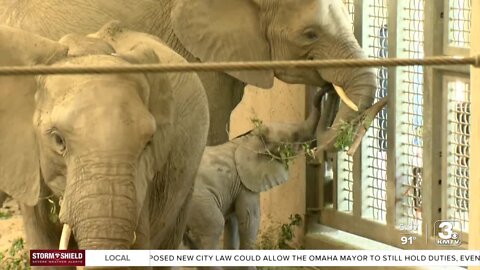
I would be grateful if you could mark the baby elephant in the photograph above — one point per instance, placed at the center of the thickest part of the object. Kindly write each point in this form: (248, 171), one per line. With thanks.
(232, 175)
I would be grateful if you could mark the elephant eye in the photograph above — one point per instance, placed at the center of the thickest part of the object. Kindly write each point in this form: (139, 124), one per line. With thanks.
(311, 35)
(59, 142)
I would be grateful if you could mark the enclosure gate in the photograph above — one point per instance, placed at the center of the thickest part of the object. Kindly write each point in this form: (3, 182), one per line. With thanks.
(412, 167)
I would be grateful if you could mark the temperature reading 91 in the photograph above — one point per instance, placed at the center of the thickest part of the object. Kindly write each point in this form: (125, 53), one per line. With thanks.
(407, 240)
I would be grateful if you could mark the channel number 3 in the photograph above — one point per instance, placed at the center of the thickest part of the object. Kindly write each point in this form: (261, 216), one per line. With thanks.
(447, 231)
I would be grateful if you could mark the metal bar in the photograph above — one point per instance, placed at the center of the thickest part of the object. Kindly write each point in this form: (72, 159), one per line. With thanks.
(432, 145)
(312, 177)
(358, 203)
(392, 209)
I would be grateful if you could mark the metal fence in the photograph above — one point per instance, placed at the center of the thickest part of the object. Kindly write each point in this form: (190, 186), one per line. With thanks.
(374, 157)
(388, 184)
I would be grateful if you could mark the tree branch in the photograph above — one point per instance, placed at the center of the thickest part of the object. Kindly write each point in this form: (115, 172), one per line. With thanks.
(364, 121)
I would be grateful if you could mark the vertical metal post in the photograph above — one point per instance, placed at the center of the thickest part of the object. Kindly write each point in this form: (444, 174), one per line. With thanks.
(391, 120)
(357, 158)
(314, 191)
(432, 113)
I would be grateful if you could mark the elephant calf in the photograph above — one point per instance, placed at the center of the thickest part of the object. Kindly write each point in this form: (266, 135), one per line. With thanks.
(231, 177)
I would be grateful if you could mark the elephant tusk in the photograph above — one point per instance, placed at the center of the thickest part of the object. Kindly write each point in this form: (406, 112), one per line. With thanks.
(134, 238)
(65, 238)
(343, 96)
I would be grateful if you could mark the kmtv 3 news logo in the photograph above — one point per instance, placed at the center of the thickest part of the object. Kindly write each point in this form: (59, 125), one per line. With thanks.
(447, 234)
(57, 257)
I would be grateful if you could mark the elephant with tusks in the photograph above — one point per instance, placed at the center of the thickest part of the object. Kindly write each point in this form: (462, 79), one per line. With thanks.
(226, 30)
(117, 153)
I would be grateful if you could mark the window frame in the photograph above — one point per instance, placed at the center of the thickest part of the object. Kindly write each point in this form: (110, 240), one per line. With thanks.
(435, 27)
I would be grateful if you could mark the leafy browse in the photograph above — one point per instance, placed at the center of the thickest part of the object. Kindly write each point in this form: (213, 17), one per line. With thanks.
(15, 257)
(5, 214)
(286, 151)
(310, 152)
(280, 236)
(256, 122)
(287, 231)
(345, 135)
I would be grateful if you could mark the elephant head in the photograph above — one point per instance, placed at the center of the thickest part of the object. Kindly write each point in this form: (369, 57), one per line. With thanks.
(263, 154)
(264, 30)
(96, 140)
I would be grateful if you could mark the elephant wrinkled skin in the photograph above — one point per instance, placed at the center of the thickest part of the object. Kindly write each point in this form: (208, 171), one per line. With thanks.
(231, 177)
(121, 150)
(223, 30)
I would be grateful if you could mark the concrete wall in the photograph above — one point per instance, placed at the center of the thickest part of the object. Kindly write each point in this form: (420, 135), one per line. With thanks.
(286, 104)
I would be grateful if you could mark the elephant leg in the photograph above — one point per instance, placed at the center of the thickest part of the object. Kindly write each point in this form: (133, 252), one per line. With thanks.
(205, 224)
(204, 227)
(230, 234)
(174, 234)
(247, 209)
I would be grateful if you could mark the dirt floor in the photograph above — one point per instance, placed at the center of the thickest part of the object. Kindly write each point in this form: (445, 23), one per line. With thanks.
(11, 226)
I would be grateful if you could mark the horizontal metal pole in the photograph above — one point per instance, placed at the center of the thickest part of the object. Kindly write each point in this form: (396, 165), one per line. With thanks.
(231, 66)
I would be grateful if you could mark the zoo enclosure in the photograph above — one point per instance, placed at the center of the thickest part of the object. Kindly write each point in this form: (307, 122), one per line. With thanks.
(412, 168)
(389, 185)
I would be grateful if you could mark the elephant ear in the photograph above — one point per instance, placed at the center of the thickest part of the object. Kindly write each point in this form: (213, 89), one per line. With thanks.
(257, 171)
(19, 162)
(224, 30)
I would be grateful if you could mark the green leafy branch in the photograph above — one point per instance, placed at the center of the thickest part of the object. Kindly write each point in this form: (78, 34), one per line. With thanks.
(286, 151)
(287, 232)
(256, 122)
(350, 134)
(5, 214)
(280, 236)
(15, 257)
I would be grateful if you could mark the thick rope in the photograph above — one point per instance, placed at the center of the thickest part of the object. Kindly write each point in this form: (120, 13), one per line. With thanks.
(230, 66)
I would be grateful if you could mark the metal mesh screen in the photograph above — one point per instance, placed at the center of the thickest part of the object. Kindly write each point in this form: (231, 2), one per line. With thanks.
(345, 162)
(374, 147)
(351, 10)
(458, 138)
(345, 182)
(459, 20)
(410, 114)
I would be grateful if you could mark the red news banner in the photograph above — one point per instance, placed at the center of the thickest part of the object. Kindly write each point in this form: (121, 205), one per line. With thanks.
(57, 257)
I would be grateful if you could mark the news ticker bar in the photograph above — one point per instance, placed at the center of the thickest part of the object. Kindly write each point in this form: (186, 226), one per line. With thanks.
(294, 258)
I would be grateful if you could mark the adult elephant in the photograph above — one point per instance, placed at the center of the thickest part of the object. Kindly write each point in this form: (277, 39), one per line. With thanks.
(122, 150)
(224, 30)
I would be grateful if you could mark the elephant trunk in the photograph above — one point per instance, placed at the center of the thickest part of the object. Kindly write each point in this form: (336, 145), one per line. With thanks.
(359, 84)
(309, 126)
(100, 204)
